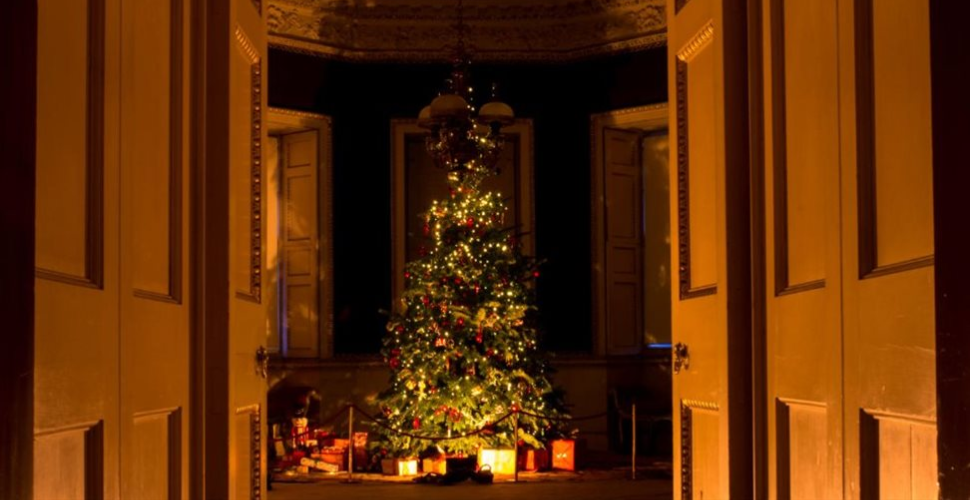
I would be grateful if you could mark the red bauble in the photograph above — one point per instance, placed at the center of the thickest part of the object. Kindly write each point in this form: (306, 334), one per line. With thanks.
(395, 352)
(395, 363)
(461, 321)
(478, 338)
(535, 274)
(416, 423)
(425, 299)
(489, 352)
(470, 222)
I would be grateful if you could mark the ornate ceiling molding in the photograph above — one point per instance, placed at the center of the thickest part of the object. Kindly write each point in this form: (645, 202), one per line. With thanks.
(497, 30)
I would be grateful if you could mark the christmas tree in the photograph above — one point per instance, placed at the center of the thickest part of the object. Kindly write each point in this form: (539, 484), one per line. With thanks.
(461, 348)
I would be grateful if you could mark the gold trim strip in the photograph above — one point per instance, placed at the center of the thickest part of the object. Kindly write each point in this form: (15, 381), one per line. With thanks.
(697, 43)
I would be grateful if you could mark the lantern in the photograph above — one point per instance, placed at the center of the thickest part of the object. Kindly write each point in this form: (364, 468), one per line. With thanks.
(502, 461)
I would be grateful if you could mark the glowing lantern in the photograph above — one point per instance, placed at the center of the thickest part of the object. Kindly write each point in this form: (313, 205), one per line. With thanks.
(564, 454)
(399, 466)
(407, 467)
(501, 461)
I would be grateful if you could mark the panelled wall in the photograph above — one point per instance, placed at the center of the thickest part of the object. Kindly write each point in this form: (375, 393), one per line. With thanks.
(112, 357)
(850, 249)
(363, 98)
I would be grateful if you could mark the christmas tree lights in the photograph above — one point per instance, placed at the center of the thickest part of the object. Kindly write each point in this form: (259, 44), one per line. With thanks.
(462, 350)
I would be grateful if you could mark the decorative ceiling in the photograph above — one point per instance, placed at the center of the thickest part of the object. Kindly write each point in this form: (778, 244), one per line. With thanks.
(496, 30)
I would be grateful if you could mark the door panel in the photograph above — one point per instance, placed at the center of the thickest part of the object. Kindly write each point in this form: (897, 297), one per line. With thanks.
(624, 226)
(803, 268)
(710, 314)
(300, 243)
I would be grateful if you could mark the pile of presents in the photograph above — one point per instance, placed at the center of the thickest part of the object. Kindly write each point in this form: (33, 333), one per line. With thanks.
(305, 449)
(559, 454)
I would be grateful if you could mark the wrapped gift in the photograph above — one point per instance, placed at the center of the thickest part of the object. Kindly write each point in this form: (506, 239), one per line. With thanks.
(322, 466)
(563, 454)
(335, 456)
(360, 450)
(532, 460)
(435, 464)
(399, 466)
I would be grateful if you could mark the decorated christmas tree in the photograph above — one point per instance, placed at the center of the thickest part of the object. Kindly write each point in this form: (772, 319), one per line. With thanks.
(461, 347)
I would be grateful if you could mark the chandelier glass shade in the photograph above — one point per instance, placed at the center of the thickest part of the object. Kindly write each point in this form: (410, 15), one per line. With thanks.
(463, 140)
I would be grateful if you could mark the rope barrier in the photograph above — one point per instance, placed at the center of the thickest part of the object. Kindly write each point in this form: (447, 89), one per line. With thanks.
(514, 413)
(476, 432)
(431, 438)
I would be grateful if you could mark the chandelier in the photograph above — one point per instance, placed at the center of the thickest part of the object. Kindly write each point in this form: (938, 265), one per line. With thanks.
(464, 141)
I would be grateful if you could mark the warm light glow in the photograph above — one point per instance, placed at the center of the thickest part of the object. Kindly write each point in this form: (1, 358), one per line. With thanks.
(501, 461)
(439, 465)
(407, 467)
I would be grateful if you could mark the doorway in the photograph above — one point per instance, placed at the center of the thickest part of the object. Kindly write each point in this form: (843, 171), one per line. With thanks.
(631, 274)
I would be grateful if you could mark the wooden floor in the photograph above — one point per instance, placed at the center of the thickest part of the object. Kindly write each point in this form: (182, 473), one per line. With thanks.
(611, 489)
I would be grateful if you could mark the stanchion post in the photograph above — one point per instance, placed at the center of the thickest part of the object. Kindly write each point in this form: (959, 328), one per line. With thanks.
(633, 433)
(350, 449)
(515, 441)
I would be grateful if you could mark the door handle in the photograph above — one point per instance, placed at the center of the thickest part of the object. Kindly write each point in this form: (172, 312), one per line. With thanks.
(262, 362)
(681, 357)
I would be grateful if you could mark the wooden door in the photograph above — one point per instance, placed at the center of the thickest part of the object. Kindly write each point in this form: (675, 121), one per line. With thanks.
(112, 324)
(710, 307)
(887, 251)
(803, 259)
(851, 356)
(624, 229)
(248, 324)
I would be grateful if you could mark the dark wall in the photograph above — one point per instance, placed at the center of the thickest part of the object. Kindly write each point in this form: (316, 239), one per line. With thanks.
(362, 98)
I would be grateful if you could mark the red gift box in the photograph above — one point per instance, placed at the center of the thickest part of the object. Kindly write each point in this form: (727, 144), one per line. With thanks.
(335, 456)
(563, 454)
(532, 459)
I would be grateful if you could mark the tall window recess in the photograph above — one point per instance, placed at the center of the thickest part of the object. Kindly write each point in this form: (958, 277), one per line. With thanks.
(631, 229)
(299, 287)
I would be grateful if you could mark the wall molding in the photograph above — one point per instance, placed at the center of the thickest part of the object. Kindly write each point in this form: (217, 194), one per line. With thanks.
(254, 293)
(687, 407)
(408, 30)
